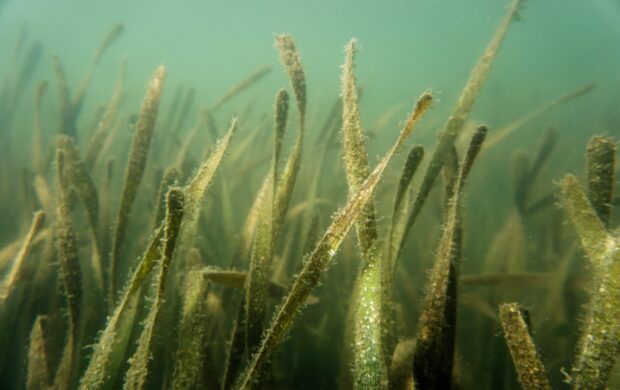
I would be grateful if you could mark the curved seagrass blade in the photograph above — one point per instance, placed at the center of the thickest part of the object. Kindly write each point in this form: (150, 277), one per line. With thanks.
(317, 262)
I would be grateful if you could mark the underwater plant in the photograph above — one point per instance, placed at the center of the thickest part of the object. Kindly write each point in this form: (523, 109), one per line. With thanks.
(152, 248)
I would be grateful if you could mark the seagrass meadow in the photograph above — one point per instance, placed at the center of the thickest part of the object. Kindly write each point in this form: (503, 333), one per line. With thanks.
(324, 196)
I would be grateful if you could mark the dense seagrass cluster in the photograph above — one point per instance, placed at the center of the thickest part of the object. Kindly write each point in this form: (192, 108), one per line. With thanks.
(151, 247)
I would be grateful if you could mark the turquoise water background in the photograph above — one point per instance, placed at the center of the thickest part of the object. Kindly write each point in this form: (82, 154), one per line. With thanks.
(406, 47)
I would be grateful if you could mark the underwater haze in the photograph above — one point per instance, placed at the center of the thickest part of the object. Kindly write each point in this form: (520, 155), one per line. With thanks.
(309, 195)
